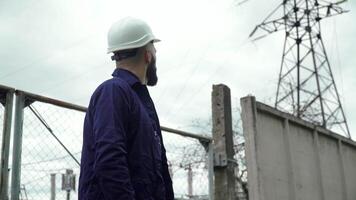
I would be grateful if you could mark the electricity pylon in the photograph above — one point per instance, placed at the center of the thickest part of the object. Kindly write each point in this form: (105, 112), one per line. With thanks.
(306, 86)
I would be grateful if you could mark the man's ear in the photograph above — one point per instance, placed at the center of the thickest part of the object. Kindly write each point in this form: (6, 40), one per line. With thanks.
(148, 56)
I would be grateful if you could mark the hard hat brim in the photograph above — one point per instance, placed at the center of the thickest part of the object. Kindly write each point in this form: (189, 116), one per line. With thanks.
(131, 46)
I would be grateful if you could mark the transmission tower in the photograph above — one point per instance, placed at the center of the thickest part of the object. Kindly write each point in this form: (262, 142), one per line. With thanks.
(306, 86)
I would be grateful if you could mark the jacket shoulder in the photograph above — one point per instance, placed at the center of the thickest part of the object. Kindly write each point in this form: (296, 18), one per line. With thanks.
(114, 88)
(115, 83)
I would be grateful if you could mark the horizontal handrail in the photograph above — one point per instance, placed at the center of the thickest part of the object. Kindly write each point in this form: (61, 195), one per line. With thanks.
(36, 97)
(40, 98)
(187, 134)
(4, 88)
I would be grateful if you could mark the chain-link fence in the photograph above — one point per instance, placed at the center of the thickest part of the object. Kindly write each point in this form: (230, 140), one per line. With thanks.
(189, 165)
(45, 164)
(51, 144)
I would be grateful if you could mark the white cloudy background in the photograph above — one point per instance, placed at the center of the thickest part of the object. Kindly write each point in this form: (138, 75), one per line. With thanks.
(58, 49)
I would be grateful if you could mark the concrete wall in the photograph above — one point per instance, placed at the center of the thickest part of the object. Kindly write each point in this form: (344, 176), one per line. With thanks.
(291, 159)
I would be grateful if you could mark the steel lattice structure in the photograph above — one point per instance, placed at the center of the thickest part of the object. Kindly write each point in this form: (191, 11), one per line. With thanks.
(306, 86)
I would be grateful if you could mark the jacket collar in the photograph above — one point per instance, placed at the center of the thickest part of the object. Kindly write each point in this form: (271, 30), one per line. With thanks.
(126, 75)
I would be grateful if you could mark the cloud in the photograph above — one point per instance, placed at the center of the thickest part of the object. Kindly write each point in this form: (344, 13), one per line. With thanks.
(59, 49)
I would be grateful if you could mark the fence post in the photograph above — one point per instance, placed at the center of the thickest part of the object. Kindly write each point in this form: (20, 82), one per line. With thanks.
(53, 186)
(223, 144)
(211, 170)
(190, 181)
(17, 146)
(5, 146)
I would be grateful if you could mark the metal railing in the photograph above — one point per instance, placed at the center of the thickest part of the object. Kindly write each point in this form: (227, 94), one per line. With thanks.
(47, 143)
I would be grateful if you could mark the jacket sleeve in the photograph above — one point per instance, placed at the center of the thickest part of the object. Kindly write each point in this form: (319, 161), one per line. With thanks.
(111, 170)
(166, 176)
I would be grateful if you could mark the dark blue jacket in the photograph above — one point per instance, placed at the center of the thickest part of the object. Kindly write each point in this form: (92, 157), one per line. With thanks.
(123, 156)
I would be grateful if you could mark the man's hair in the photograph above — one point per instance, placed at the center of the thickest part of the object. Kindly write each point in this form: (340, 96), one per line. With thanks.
(124, 54)
(131, 55)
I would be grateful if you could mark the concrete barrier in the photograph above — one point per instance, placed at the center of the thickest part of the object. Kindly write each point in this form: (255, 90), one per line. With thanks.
(291, 159)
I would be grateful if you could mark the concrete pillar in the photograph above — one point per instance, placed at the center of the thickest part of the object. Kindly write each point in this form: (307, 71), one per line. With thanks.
(223, 144)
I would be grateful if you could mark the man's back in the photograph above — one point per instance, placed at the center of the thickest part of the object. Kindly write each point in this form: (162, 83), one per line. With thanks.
(123, 155)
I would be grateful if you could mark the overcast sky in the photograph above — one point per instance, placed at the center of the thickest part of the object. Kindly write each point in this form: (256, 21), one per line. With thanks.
(58, 49)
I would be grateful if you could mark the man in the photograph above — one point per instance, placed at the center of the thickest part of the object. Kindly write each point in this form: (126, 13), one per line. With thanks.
(123, 156)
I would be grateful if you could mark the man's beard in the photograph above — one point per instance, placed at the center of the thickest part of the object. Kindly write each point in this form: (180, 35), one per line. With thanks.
(151, 73)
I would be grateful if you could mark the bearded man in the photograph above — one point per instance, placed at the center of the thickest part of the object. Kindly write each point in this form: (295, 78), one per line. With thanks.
(123, 156)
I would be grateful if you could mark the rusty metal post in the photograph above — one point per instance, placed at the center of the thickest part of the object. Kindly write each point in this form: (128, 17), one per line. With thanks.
(223, 144)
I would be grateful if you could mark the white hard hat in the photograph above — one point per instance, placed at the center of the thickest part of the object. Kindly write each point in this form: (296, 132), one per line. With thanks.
(129, 33)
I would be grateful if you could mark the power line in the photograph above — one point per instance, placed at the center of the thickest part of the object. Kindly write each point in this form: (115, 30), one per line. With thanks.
(338, 60)
(36, 62)
(188, 79)
(36, 179)
(78, 76)
(301, 21)
(179, 65)
(240, 3)
(198, 91)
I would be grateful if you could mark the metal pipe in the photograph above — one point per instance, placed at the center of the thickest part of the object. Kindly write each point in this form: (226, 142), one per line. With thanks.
(5, 146)
(190, 181)
(68, 195)
(17, 146)
(56, 102)
(187, 134)
(211, 170)
(6, 88)
(64, 104)
(53, 186)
